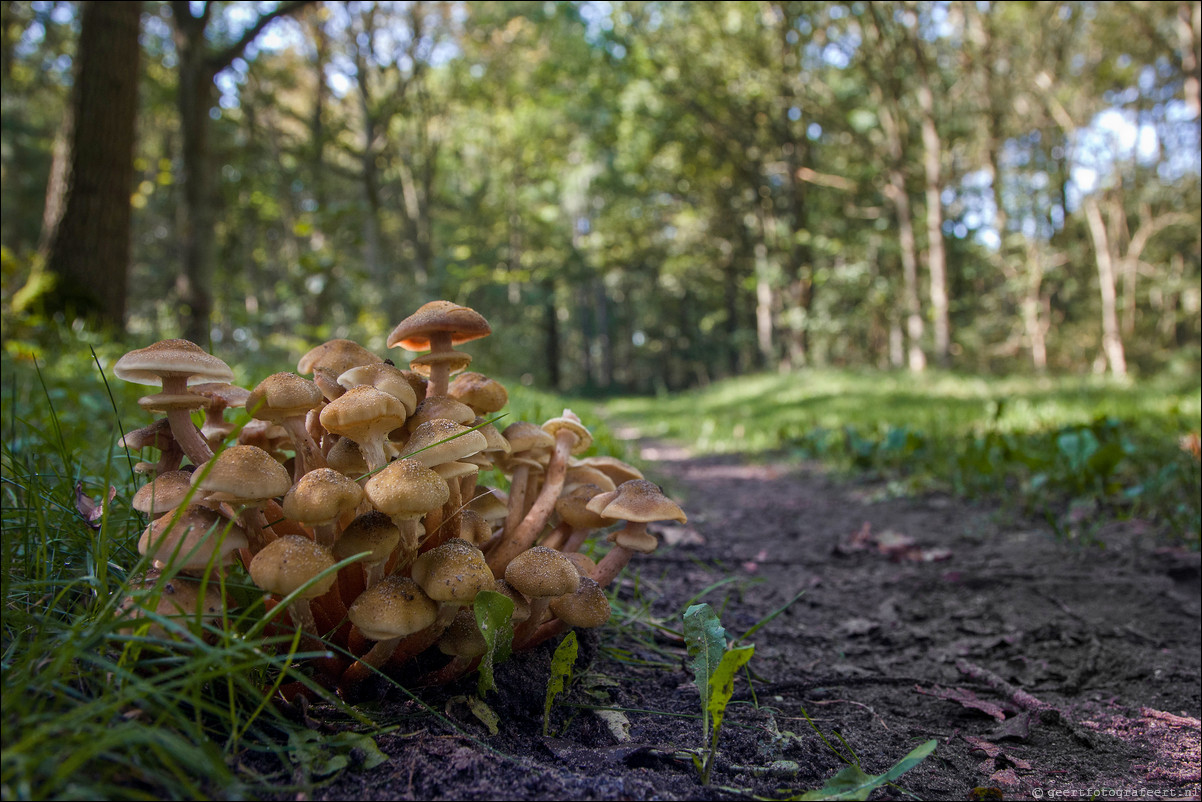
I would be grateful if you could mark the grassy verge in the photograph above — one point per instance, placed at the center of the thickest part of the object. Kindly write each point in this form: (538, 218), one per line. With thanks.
(1063, 447)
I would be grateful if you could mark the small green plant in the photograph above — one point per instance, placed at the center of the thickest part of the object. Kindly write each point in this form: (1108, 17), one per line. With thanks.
(852, 782)
(714, 669)
(561, 675)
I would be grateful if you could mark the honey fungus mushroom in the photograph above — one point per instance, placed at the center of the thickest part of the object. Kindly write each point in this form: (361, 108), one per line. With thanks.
(291, 564)
(437, 327)
(173, 365)
(638, 502)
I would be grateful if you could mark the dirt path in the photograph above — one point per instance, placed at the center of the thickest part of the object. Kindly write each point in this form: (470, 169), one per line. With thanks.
(1043, 669)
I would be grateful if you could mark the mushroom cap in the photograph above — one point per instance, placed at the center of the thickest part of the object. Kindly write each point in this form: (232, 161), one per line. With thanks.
(165, 402)
(321, 496)
(392, 608)
(521, 605)
(525, 436)
(242, 473)
(346, 458)
(453, 572)
(287, 563)
(192, 537)
(372, 531)
(453, 361)
(573, 508)
(540, 572)
(586, 475)
(463, 637)
(337, 356)
(173, 358)
(440, 408)
(440, 440)
(479, 392)
(283, 395)
(179, 596)
(406, 488)
(155, 435)
(569, 422)
(588, 607)
(637, 500)
(163, 494)
(474, 528)
(489, 504)
(463, 323)
(222, 394)
(636, 539)
(614, 468)
(362, 412)
(382, 376)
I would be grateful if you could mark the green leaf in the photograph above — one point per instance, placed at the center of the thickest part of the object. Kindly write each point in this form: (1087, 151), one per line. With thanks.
(487, 716)
(561, 672)
(320, 755)
(705, 640)
(853, 783)
(722, 683)
(494, 612)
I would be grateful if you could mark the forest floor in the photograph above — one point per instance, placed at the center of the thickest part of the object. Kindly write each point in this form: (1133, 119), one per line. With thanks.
(1044, 668)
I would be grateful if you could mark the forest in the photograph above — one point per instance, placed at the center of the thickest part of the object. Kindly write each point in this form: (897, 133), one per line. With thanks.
(648, 195)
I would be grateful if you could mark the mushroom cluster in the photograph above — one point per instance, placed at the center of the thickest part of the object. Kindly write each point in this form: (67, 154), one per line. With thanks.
(352, 497)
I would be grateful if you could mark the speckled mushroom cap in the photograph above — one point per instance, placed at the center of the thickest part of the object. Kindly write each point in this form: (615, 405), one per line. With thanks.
(384, 377)
(521, 605)
(337, 356)
(283, 395)
(192, 537)
(440, 408)
(372, 532)
(479, 392)
(462, 323)
(639, 540)
(637, 500)
(453, 572)
(166, 492)
(363, 411)
(392, 608)
(584, 475)
(242, 474)
(540, 572)
(287, 563)
(321, 497)
(570, 422)
(172, 358)
(439, 440)
(407, 489)
(587, 607)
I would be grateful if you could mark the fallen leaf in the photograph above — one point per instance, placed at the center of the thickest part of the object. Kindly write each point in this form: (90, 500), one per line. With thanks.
(965, 698)
(92, 511)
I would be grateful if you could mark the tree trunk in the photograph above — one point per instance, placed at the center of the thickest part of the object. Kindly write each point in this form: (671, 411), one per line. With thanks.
(936, 257)
(1112, 341)
(90, 244)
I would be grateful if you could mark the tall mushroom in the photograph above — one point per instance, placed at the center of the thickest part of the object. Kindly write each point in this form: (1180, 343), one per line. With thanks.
(638, 502)
(173, 365)
(365, 415)
(437, 327)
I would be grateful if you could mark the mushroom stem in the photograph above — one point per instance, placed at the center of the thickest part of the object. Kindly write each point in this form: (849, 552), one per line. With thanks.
(186, 434)
(525, 630)
(612, 564)
(308, 455)
(413, 645)
(575, 540)
(549, 629)
(557, 536)
(440, 372)
(517, 499)
(522, 538)
(456, 668)
(360, 670)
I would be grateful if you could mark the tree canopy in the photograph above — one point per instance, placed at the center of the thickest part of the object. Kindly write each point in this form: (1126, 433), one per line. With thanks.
(646, 195)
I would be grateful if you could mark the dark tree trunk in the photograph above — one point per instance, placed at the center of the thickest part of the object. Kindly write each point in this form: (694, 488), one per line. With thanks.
(90, 242)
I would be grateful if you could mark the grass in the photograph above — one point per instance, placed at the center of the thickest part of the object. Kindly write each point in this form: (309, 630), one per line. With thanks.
(1056, 445)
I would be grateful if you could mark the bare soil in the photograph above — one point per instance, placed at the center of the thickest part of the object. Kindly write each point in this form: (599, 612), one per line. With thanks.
(1044, 668)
